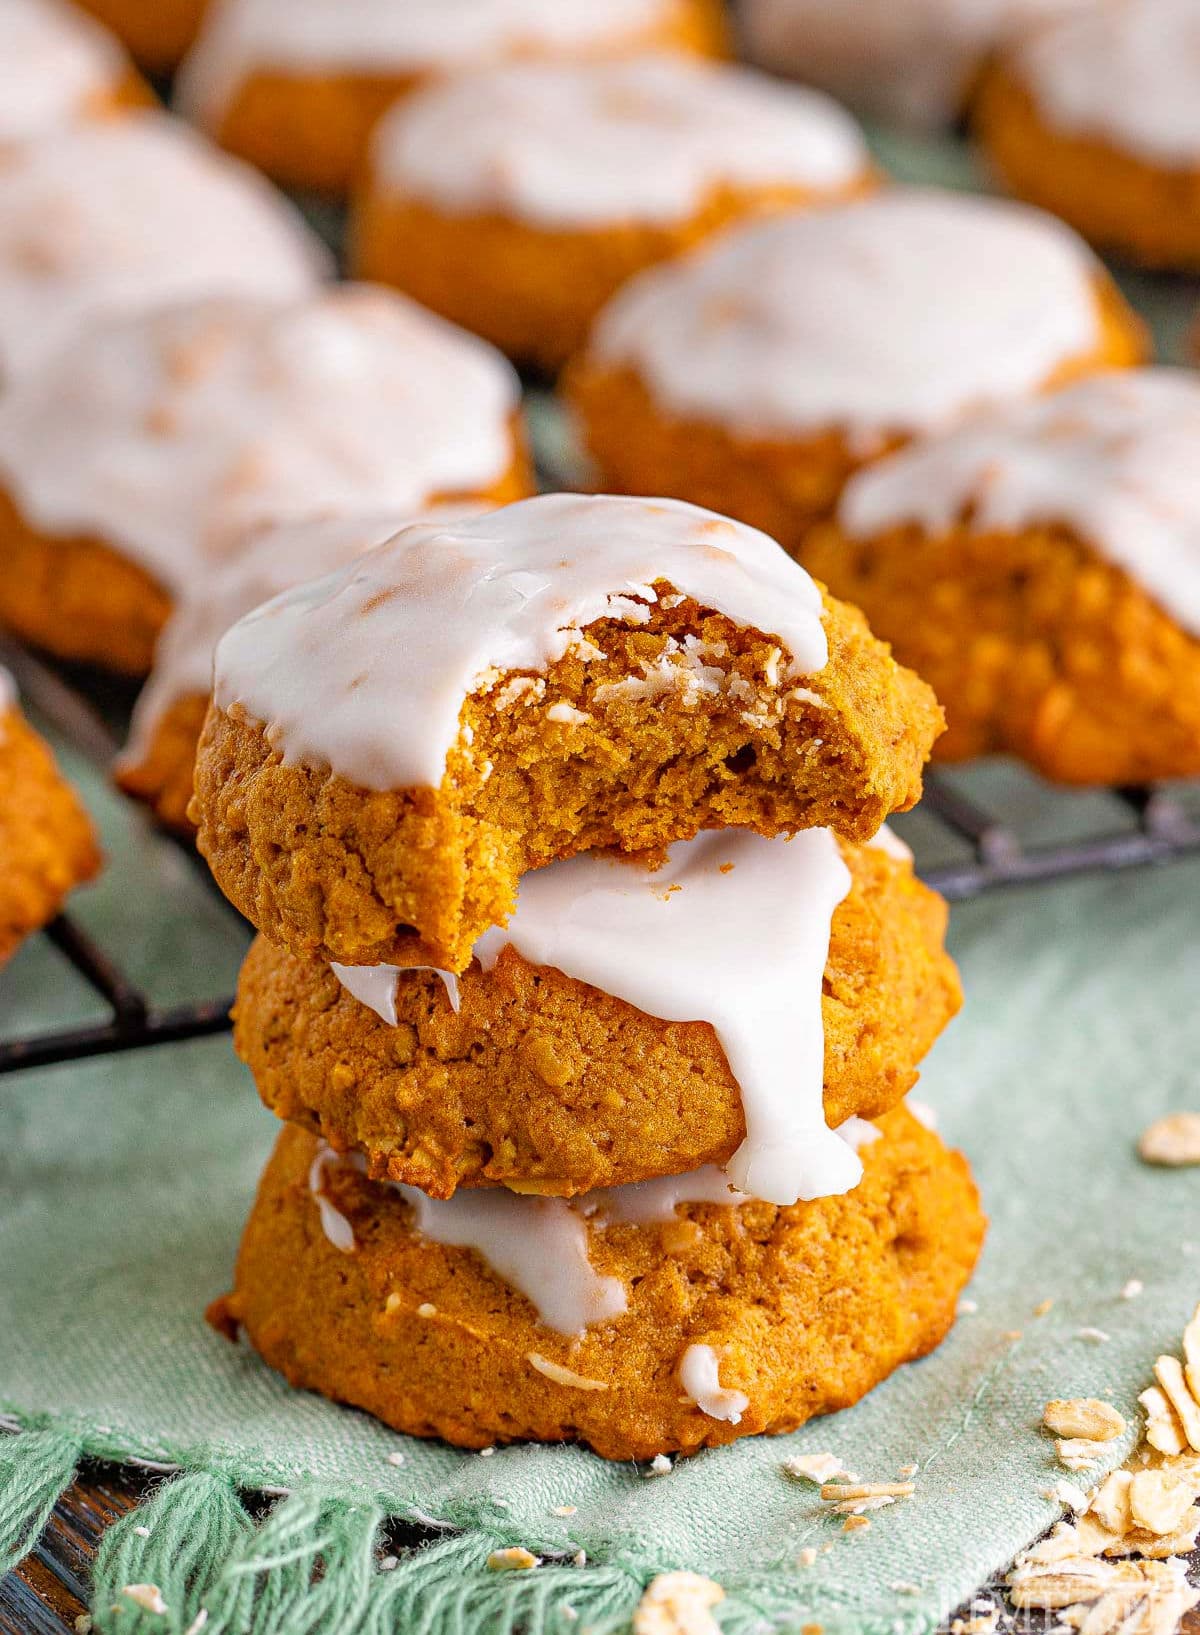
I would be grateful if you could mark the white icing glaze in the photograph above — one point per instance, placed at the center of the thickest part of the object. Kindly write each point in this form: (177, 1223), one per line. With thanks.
(649, 1203)
(171, 434)
(55, 65)
(585, 145)
(241, 37)
(1128, 74)
(273, 559)
(366, 670)
(1113, 458)
(743, 948)
(124, 215)
(333, 1223)
(911, 60)
(538, 1245)
(700, 1376)
(375, 985)
(8, 691)
(859, 1132)
(896, 314)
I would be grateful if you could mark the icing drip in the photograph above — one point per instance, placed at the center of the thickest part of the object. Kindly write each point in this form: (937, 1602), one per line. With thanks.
(896, 314)
(171, 434)
(538, 1245)
(646, 1203)
(54, 64)
(375, 985)
(381, 37)
(886, 840)
(650, 938)
(271, 560)
(333, 1223)
(912, 61)
(582, 145)
(119, 216)
(859, 1132)
(366, 671)
(1113, 458)
(699, 1374)
(1126, 74)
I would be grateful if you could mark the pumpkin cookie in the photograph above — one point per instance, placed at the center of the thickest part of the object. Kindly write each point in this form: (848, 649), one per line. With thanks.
(1098, 119)
(121, 216)
(297, 86)
(758, 374)
(645, 1320)
(57, 67)
(1041, 567)
(522, 1073)
(132, 466)
(47, 844)
(390, 748)
(157, 32)
(516, 201)
(157, 763)
(916, 62)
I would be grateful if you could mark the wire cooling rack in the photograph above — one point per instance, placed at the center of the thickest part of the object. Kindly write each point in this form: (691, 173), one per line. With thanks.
(1138, 827)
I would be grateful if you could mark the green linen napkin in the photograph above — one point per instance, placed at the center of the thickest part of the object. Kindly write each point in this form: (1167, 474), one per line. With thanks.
(124, 1183)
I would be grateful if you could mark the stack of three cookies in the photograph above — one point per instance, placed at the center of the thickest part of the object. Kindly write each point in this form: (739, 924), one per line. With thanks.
(592, 1074)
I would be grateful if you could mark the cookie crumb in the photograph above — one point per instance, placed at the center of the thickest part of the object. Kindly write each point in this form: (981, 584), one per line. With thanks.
(1083, 1417)
(807, 1556)
(815, 1467)
(1094, 1336)
(1043, 1307)
(678, 1604)
(660, 1465)
(1173, 1141)
(565, 1510)
(395, 1458)
(855, 1524)
(389, 1564)
(1131, 1289)
(147, 1596)
(515, 1559)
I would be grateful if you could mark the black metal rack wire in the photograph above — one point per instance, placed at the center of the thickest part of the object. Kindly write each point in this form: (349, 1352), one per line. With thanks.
(1158, 828)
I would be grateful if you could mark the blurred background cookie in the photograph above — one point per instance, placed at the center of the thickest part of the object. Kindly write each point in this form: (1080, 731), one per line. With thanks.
(517, 200)
(296, 86)
(56, 67)
(137, 460)
(1098, 119)
(1040, 567)
(757, 374)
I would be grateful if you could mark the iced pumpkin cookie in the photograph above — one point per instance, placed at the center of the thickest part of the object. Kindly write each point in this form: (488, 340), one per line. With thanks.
(157, 763)
(47, 844)
(917, 61)
(517, 200)
(757, 374)
(133, 465)
(122, 216)
(727, 1007)
(157, 32)
(654, 1319)
(1041, 567)
(297, 86)
(1098, 119)
(390, 748)
(57, 67)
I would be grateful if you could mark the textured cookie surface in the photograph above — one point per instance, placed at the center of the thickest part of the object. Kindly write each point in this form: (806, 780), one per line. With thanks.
(796, 1311)
(1041, 568)
(549, 1084)
(47, 845)
(653, 726)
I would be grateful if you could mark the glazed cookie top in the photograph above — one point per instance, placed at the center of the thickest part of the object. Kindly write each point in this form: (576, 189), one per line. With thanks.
(893, 315)
(55, 64)
(913, 61)
(366, 671)
(1112, 458)
(169, 435)
(417, 37)
(579, 145)
(1126, 74)
(273, 559)
(734, 930)
(121, 215)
